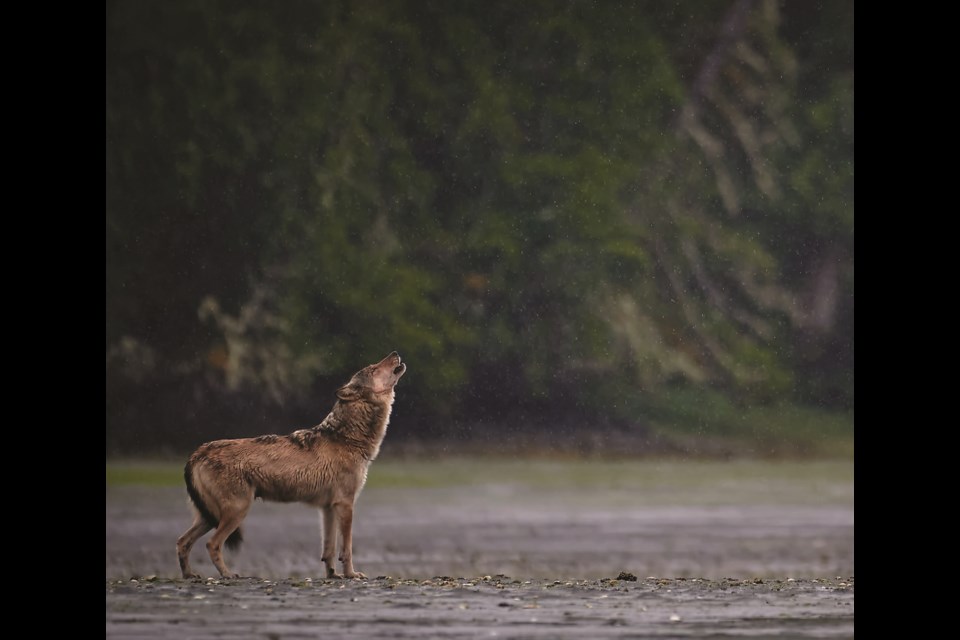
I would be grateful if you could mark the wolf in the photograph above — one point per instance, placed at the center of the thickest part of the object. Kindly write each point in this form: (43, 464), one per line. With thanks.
(324, 466)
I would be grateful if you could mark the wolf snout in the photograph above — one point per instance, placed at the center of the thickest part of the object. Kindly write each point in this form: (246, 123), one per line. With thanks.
(399, 366)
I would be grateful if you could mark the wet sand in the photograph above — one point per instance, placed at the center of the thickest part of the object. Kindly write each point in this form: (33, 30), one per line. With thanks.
(481, 607)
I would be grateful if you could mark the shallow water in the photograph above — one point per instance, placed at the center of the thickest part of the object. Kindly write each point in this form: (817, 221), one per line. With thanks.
(686, 520)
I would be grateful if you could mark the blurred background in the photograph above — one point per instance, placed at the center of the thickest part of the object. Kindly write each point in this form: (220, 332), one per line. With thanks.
(589, 228)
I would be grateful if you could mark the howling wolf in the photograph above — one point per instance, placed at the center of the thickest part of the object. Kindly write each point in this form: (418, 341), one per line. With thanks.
(325, 466)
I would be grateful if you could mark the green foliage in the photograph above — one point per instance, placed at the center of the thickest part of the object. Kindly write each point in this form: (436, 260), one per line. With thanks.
(152, 474)
(706, 416)
(664, 482)
(532, 202)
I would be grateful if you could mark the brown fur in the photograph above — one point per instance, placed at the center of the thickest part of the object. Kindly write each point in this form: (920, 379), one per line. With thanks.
(325, 466)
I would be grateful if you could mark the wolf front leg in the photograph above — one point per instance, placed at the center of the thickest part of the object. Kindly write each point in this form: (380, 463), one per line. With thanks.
(344, 511)
(328, 517)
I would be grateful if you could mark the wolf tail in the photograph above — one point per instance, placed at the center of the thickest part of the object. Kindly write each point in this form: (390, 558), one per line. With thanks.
(235, 538)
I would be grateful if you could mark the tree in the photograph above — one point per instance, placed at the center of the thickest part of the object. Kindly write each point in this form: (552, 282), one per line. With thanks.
(536, 203)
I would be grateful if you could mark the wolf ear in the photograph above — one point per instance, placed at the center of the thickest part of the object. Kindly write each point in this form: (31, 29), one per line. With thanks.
(348, 392)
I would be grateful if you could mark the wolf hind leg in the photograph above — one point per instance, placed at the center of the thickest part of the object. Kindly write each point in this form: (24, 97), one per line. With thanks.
(230, 518)
(185, 543)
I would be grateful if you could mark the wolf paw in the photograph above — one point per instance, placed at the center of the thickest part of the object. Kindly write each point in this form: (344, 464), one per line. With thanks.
(334, 576)
(356, 575)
